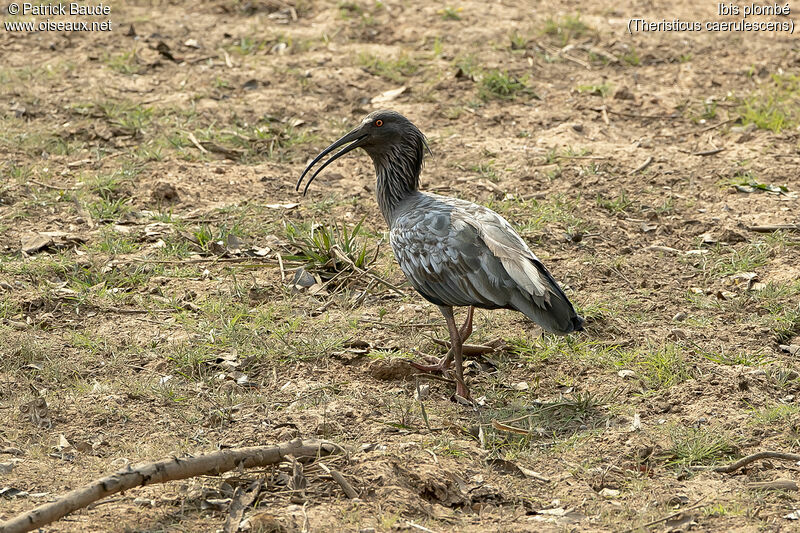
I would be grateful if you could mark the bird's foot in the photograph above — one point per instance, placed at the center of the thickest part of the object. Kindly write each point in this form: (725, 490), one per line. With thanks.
(462, 393)
(436, 366)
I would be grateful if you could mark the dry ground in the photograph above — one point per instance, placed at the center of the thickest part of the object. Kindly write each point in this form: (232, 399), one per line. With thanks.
(148, 191)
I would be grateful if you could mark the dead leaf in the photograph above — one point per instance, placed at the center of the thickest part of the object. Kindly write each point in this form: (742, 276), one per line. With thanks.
(234, 244)
(10, 493)
(388, 96)
(34, 242)
(37, 412)
(242, 499)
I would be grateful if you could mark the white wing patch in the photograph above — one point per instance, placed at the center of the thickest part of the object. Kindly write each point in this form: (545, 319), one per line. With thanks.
(517, 260)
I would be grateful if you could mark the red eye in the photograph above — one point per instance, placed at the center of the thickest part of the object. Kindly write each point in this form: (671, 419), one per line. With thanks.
(379, 123)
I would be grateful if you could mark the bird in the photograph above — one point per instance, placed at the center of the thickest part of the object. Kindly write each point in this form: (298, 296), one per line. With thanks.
(453, 252)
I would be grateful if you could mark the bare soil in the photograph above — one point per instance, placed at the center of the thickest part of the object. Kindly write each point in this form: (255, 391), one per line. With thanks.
(151, 236)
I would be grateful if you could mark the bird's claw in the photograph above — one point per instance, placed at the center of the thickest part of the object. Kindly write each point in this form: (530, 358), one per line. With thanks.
(437, 365)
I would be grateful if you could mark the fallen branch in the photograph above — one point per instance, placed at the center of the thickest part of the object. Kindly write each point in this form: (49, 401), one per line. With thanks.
(162, 471)
(744, 461)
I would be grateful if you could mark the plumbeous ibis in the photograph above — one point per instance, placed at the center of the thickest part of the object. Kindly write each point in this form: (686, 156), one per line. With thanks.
(453, 252)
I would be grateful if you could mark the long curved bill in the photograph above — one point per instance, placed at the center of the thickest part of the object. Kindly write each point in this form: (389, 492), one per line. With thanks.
(354, 138)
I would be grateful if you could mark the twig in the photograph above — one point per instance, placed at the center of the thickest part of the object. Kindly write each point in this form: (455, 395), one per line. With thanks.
(777, 484)
(600, 52)
(697, 504)
(162, 471)
(774, 227)
(417, 526)
(698, 132)
(56, 187)
(708, 152)
(561, 52)
(633, 115)
(206, 260)
(395, 325)
(510, 429)
(337, 476)
(122, 311)
(280, 264)
(352, 265)
(195, 142)
(641, 167)
(472, 349)
(228, 61)
(433, 377)
(604, 115)
(717, 125)
(744, 461)
(599, 157)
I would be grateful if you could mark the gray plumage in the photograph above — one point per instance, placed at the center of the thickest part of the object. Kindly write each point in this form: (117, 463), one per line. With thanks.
(453, 252)
(456, 253)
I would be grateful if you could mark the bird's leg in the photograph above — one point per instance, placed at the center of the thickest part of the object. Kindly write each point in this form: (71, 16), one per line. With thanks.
(443, 364)
(456, 348)
(466, 328)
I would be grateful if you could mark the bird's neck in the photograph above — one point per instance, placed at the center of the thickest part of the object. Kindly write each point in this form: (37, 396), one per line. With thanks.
(397, 174)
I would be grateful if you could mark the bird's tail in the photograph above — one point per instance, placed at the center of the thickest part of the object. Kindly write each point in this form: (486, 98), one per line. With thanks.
(558, 316)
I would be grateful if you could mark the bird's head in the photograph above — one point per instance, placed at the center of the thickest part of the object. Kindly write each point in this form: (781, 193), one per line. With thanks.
(387, 136)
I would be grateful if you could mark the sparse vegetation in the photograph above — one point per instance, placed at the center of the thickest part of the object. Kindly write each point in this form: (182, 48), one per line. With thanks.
(397, 69)
(774, 106)
(696, 446)
(501, 84)
(566, 29)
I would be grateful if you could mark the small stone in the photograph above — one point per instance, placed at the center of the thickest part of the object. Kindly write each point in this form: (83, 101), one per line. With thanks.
(609, 493)
(791, 349)
(422, 392)
(626, 373)
(623, 93)
(33, 243)
(679, 316)
(303, 278)
(677, 335)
